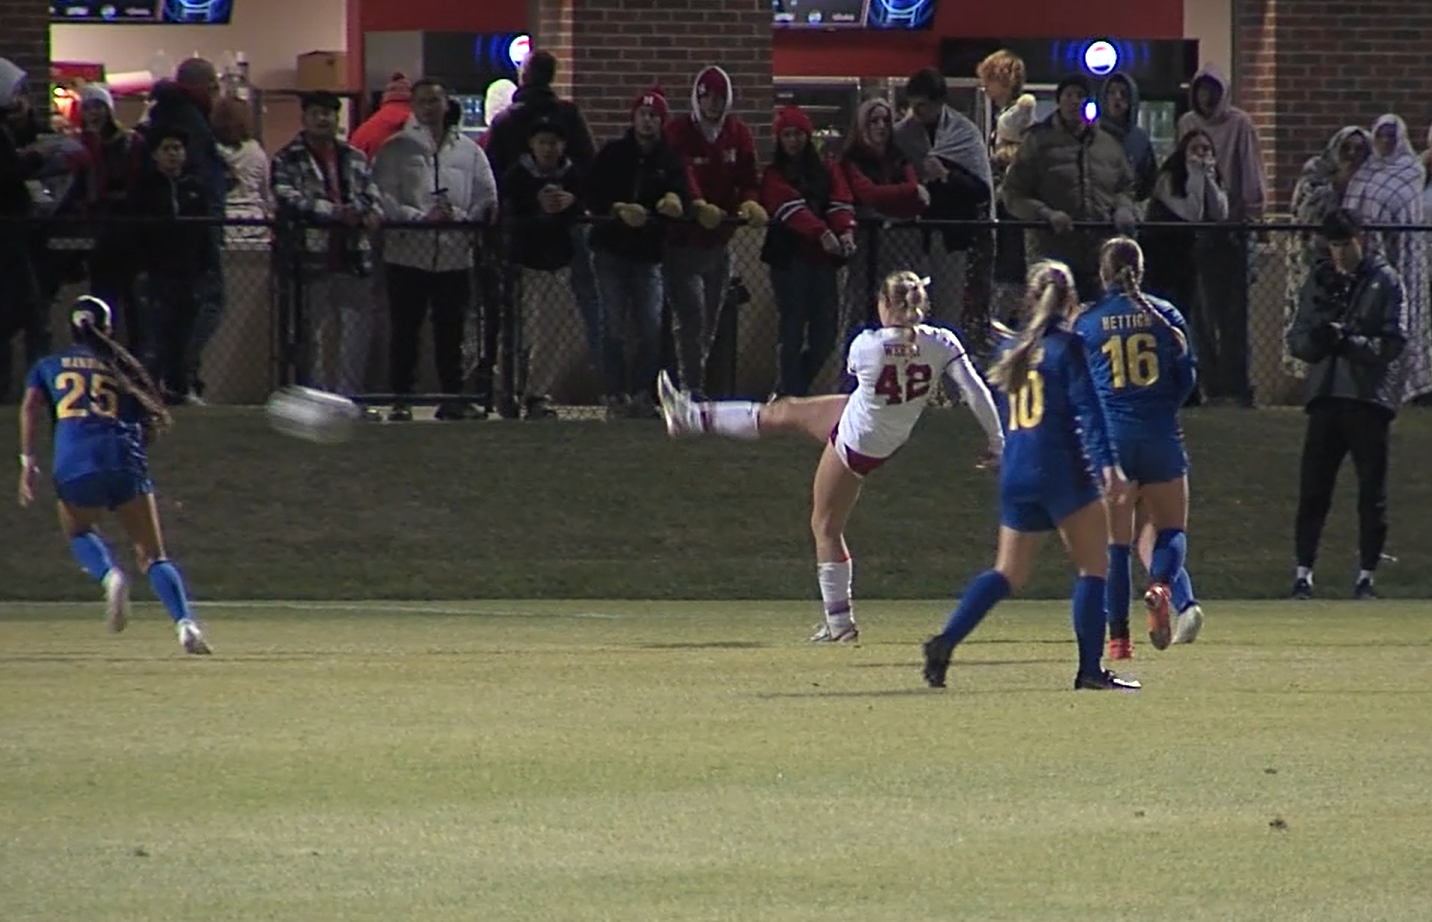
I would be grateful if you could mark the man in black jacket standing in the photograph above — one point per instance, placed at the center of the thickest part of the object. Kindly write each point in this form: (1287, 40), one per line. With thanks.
(1350, 329)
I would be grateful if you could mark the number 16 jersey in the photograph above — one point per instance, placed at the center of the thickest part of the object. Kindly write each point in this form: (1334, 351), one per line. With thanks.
(896, 370)
(98, 428)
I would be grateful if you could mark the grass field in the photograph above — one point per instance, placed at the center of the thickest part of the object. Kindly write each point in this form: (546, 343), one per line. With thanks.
(573, 761)
(592, 510)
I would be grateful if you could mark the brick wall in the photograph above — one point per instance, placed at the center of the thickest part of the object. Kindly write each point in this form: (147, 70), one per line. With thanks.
(25, 39)
(611, 50)
(1305, 68)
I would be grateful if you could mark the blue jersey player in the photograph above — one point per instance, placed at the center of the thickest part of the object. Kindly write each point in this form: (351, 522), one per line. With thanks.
(1138, 355)
(104, 408)
(1057, 455)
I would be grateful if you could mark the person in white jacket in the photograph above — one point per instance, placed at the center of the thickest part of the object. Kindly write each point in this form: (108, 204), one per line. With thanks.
(430, 172)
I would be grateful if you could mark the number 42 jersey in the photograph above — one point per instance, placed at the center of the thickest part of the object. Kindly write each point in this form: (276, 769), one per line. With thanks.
(895, 370)
(97, 427)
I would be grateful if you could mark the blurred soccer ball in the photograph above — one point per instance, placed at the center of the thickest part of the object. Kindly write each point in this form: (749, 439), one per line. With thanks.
(314, 415)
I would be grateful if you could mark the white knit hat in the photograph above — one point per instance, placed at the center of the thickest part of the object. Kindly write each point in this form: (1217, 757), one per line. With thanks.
(97, 92)
(12, 81)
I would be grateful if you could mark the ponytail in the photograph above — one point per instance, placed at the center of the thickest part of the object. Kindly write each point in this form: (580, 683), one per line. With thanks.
(1051, 291)
(1121, 262)
(130, 375)
(1128, 282)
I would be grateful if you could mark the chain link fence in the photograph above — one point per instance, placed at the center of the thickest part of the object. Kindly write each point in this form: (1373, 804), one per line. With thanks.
(436, 316)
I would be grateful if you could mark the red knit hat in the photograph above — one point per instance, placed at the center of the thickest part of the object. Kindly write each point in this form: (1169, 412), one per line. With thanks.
(655, 98)
(399, 89)
(793, 117)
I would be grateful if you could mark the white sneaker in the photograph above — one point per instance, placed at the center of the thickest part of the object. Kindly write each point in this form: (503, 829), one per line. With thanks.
(681, 415)
(1189, 623)
(824, 634)
(192, 639)
(116, 600)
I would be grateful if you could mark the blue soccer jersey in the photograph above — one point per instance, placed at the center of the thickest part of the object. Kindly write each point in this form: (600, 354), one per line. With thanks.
(1056, 440)
(1137, 366)
(98, 428)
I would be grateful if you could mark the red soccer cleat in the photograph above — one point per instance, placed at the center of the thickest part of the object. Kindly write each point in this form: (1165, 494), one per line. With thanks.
(1121, 648)
(1159, 602)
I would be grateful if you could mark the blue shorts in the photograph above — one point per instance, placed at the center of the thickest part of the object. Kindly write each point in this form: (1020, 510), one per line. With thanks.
(1152, 460)
(1044, 513)
(103, 490)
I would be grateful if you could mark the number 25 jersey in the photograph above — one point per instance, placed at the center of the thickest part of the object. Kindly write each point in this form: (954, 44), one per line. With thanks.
(895, 370)
(97, 427)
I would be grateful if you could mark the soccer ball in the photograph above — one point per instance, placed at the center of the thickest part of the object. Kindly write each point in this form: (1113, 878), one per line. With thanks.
(314, 415)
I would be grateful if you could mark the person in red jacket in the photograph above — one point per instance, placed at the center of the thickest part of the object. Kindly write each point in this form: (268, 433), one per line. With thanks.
(388, 120)
(812, 233)
(720, 156)
(884, 188)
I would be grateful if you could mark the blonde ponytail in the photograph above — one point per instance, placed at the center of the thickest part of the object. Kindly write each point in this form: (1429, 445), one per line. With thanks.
(1051, 295)
(905, 295)
(1121, 260)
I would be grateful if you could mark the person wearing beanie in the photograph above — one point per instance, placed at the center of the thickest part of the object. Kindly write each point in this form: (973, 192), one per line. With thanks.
(394, 109)
(1069, 169)
(636, 180)
(720, 156)
(812, 233)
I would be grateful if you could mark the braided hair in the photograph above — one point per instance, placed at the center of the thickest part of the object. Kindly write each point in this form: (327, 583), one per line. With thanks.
(1121, 262)
(91, 325)
(1050, 298)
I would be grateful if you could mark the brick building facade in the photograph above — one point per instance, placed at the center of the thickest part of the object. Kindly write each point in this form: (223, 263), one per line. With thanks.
(25, 39)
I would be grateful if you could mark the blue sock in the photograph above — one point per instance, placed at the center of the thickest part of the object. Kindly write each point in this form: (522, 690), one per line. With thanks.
(1118, 589)
(980, 596)
(1087, 609)
(1182, 587)
(164, 578)
(1170, 552)
(92, 553)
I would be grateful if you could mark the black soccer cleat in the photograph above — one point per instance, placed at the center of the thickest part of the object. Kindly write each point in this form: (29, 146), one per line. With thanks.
(937, 660)
(1363, 591)
(1302, 589)
(1105, 681)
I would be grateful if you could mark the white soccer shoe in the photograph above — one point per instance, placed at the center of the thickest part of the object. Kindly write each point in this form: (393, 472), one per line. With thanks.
(1188, 624)
(116, 600)
(677, 408)
(192, 639)
(824, 634)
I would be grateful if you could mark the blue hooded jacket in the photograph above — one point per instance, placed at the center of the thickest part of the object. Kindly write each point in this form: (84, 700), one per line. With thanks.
(1137, 145)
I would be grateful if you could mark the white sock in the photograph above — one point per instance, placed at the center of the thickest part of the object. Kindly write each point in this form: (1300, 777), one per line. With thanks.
(835, 593)
(1306, 573)
(1364, 575)
(739, 419)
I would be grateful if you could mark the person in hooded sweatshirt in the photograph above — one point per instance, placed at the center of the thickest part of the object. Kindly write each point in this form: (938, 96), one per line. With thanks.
(1119, 116)
(393, 112)
(720, 155)
(1240, 163)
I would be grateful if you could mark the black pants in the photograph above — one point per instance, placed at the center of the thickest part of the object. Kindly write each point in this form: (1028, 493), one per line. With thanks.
(411, 293)
(1219, 319)
(1335, 428)
(173, 310)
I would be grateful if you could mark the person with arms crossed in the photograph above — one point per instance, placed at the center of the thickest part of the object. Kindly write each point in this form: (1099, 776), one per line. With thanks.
(1350, 330)
(1057, 451)
(105, 409)
(1137, 350)
(894, 368)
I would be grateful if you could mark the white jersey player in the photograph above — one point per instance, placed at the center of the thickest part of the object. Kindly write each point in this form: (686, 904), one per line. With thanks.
(896, 368)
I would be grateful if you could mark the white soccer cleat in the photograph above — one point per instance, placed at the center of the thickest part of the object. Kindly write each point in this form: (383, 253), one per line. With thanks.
(681, 415)
(1189, 623)
(824, 634)
(116, 600)
(192, 639)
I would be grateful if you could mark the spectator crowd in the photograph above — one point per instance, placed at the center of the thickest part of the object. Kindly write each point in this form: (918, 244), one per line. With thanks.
(637, 231)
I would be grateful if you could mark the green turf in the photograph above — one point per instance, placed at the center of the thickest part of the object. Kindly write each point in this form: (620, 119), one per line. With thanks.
(628, 761)
(583, 510)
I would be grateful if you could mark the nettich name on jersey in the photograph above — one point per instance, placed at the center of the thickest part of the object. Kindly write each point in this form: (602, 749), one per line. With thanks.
(1117, 322)
(83, 363)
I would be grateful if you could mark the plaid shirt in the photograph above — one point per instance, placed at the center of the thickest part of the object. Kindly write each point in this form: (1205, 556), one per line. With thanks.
(304, 195)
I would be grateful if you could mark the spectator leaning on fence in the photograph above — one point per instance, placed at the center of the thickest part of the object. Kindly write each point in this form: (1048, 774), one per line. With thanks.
(431, 172)
(1069, 169)
(720, 156)
(1224, 373)
(812, 234)
(247, 168)
(632, 177)
(542, 195)
(328, 204)
(1318, 193)
(952, 161)
(1002, 75)
(22, 157)
(1119, 116)
(884, 188)
(173, 256)
(394, 110)
(1349, 328)
(1387, 189)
